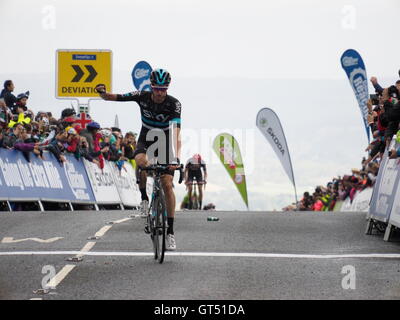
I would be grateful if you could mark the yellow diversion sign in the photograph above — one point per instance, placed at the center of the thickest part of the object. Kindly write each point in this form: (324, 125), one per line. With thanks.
(79, 71)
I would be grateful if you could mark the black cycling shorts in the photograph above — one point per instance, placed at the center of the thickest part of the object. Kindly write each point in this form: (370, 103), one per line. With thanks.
(159, 147)
(195, 174)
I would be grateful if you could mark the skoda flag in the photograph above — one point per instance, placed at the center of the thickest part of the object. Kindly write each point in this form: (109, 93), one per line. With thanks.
(141, 76)
(271, 128)
(354, 67)
(227, 149)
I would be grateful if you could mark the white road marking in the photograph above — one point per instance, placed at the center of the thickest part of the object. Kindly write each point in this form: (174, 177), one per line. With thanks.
(122, 220)
(102, 231)
(88, 246)
(36, 299)
(54, 282)
(211, 254)
(11, 240)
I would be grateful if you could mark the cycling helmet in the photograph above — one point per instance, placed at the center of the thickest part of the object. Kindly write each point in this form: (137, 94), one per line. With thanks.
(197, 158)
(93, 125)
(160, 78)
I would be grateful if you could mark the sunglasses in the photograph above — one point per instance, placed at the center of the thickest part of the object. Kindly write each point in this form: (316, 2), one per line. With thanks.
(163, 89)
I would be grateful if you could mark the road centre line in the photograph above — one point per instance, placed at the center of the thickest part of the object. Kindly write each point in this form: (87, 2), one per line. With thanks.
(60, 276)
(102, 231)
(88, 246)
(122, 220)
(209, 254)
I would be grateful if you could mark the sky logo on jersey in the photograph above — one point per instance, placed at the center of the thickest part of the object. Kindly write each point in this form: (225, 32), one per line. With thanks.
(141, 76)
(354, 67)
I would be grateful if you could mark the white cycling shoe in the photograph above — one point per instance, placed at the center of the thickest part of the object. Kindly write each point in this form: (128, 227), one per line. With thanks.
(171, 244)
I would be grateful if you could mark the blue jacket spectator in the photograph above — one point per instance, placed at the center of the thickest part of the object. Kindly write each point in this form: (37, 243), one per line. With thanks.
(7, 95)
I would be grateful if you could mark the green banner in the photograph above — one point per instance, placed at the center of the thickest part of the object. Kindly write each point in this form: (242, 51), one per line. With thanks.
(227, 149)
(338, 206)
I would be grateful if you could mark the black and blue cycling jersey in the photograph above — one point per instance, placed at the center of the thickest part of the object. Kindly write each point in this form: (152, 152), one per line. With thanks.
(155, 115)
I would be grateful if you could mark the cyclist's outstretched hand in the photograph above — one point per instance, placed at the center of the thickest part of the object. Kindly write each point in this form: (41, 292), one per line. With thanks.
(100, 88)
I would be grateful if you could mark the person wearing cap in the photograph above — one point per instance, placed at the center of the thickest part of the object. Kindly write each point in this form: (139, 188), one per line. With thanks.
(89, 133)
(68, 112)
(72, 139)
(20, 104)
(7, 95)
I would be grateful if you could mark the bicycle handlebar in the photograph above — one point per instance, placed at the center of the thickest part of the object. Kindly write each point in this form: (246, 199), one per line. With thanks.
(164, 167)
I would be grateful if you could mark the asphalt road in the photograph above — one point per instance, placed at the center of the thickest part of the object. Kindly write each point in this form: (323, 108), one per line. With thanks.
(244, 255)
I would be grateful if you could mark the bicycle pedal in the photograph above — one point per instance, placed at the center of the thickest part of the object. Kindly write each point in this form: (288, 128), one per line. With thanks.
(147, 230)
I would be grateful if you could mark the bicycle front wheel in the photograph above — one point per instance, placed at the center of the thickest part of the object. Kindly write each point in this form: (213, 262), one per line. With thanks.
(161, 229)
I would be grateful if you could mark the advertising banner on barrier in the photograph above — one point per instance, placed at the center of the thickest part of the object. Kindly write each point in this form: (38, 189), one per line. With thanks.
(346, 206)
(385, 188)
(361, 201)
(395, 213)
(102, 181)
(125, 180)
(43, 179)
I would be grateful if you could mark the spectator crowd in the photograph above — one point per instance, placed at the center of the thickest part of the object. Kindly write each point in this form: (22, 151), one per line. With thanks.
(383, 122)
(32, 133)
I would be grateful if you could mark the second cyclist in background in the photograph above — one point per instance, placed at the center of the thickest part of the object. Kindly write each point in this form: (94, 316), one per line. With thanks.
(193, 170)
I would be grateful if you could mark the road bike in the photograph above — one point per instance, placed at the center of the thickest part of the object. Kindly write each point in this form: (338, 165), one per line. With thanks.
(195, 194)
(156, 223)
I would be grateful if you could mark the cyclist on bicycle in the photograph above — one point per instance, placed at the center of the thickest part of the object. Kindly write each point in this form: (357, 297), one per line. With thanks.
(193, 171)
(159, 137)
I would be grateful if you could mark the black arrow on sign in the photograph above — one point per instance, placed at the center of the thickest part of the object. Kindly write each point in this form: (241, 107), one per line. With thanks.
(92, 72)
(79, 73)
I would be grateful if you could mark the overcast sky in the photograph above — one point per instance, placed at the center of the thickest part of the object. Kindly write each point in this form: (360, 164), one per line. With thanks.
(228, 59)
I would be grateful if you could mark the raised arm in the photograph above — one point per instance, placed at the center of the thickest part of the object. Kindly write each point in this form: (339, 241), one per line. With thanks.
(101, 89)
